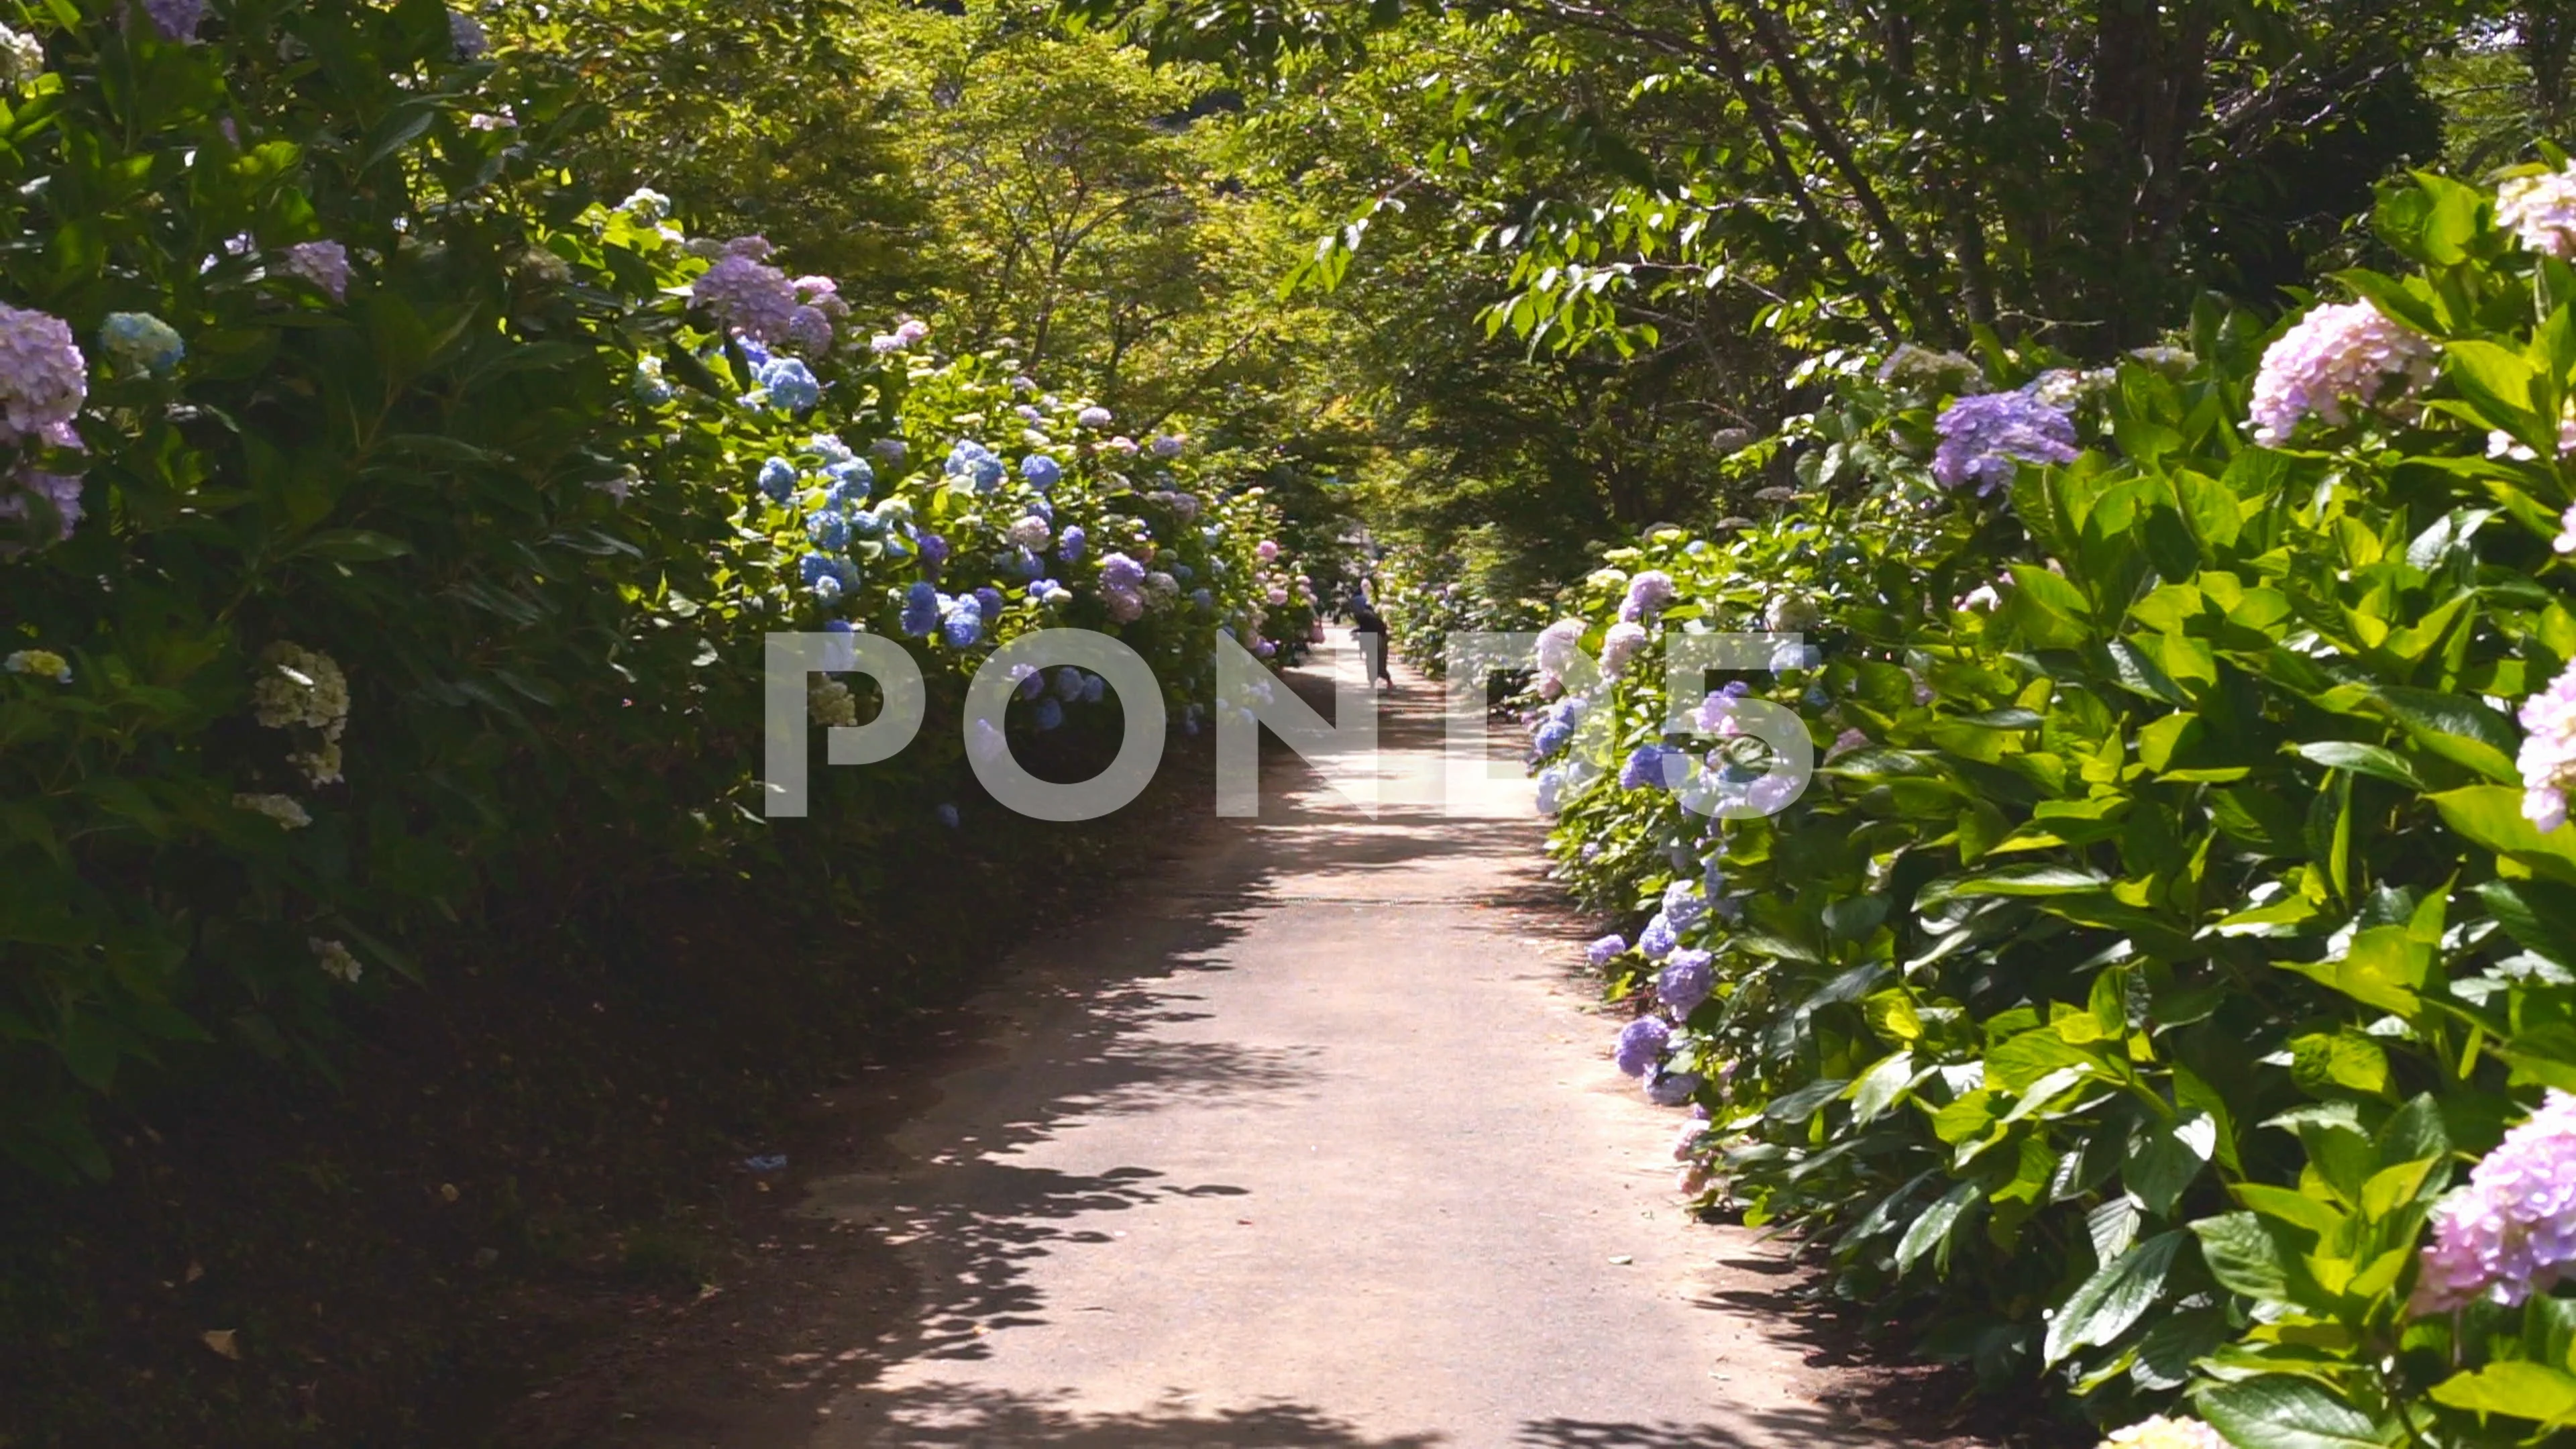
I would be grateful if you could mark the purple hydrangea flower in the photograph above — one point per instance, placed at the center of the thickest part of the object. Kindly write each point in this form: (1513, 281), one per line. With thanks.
(325, 264)
(2511, 1232)
(747, 297)
(1118, 571)
(889, 451)
(2548, 759)
(1658, 939)
(176, 19)
(1049, 713)
(934, 550)
(1686, 981)
(947, 814)
(1093, 417)
(1683, 905)
(1641, 1045)
(43, 377)
(1042, 471)
(1604, 950)
(1069, 544)
(1648, 593)
(466, 34)
(1671, 1089)
(1984, 437)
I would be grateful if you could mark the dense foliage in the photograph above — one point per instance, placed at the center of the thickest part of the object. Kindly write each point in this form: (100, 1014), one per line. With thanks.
(2170, 923)
(388, 525)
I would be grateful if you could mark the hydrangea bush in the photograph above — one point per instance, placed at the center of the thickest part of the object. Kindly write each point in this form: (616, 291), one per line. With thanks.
(385, 525)
(2165, 986)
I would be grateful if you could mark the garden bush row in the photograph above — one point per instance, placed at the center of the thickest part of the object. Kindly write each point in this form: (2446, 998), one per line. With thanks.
(390, 525)
(2165, 987)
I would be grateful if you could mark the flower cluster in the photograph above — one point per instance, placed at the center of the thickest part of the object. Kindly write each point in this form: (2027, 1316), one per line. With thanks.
(2548, 758)
(1641, 1046)
(39, 664)
(1646, 767)
(831, 704)
(1560, 647)
(2511, 1232)
(43, 377)
(2336, 355)
(1986, 437)
(1648, 593)
(2163, 1433)
(2541, 210)
(303, 689)
(22, 58)
(336, 961)
(1688, 978)
(325, 264)
(746, 295)
(1605, 950)
(176, 19)
(141, 342)
(286, 810)
(1619, 644)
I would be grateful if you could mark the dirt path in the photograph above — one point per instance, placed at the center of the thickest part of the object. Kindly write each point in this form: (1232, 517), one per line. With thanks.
(1309, 1142)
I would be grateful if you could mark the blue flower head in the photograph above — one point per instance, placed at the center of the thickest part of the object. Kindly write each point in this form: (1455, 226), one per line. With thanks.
(934, 550)
(864, 524)
(830, 531)
(962, 622)
(1049, 714)
(1042, 471)
(1644, 769)
(1033, 683)
(815, 566)
(1205, 600)
(778, 479)
(1671, 1089)
(827, 589)
(1093, 687)
(990, 599)
(1684, 905)
(976, 464)
(753, 351)
(852, 479)
(830, 448)
(888, 451)
(1068, 683)
(947, 814)
(921, 607)
(1658, 939)
(1686, 981)
(1070, 543)
(790, 383)
(1641, 1046)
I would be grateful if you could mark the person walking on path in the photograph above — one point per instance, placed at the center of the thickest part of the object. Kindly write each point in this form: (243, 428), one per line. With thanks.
(1368, 630)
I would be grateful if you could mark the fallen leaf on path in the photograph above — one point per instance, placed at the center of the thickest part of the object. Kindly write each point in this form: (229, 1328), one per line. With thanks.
(1623, 1259)
(221, 1341)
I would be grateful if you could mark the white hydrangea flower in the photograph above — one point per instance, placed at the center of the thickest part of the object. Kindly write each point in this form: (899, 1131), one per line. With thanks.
(2163, 1433)
(284, 809)
(2541, 211)
(22, 57)
(336, 961)
(831, 703)
(301, 688)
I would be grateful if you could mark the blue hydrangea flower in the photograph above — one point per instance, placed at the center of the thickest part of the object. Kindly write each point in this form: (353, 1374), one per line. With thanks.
(650, 387)
(976, 464)
(830, 448)
(753, 351)
(852, 475)
(1551, 789)
(791, 384)
(1686, 981)
(778, 479)
(817, 566)
(1671, 1089)
(1641, 1045)
(1205, 600)
(1049, 591)
(1049, 714)
(889, 451)
(864, 524)
(934, 550)
(1093, 688)
(922, 605)
(827, 589)
(962, 622)
(1042, 471)
(1068, 683)
(1795, 656)
(829, 531)
(947, 814)
(141, 342)
(1644, 769)
(1604, 950)
(1070, 543)
(991, 600)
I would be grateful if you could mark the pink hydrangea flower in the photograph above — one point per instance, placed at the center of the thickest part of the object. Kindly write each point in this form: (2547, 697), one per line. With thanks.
(2548, 758)
(323, 263)
(746, 296)
(2337, 355)
(2541, 211)
(2511, 1232)
(43, 377)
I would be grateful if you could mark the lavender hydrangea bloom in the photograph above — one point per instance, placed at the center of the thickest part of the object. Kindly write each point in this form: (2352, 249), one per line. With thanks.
(934, 550)
(1671, 1089)
(1048, 714)
(1068, 683)
(747, 297)
(2548, 759)
(1069, 544)
(1604, 950)
(1684, 905)
(1641, 1045)
(1686, 981)
(921, 608)
(889, 451)
(1033, 681)
(2335, 355)
(325, 264)
(43, 377)
(61, 491)
(1648, 593)
(1042, 471)
(962, 622)
(1658, 940)
(1093, 417)
(176, 19)
(1118, 571)
(2511, 1232)
(1984, 437)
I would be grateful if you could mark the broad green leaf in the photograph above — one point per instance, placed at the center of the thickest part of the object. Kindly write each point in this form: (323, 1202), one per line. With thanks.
(1933, 1228)
(2516, 1388)
(2276, 1411)
(2113, 1298)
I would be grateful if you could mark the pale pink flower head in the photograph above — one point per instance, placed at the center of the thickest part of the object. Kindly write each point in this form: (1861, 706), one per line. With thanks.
(2336, 356)
(2541, 211)
(323, 263)
(43, 377)
(2548, 757)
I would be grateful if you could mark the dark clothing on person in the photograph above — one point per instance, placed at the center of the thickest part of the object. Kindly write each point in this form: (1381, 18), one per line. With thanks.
(1369, 631)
